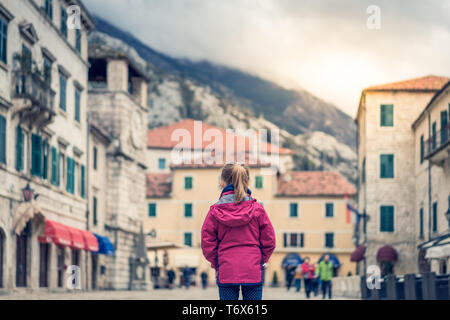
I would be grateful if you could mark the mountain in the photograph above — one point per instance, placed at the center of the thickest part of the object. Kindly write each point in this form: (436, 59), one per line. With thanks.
(296, 111)
(321, 135)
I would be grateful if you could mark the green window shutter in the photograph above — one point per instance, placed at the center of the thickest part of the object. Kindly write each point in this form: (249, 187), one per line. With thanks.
(2, 139)
(45, 155)
(188, 239)
(329, 210)
(433, 136)
(62, 92)
(69, 183)
(83, 183)
(54, 166)
(329, 240)
(77, 105)
(387, 115)
(444, 127)
(95, 158)
(188, 182)
(422, 149)
(302, 240)
(36, 155)
(293, 212)
(3, 40)
(188, 210)
(258, 182)
(19, 148)
(435, 217)
(152, 209)
(94, 210)
(387, 166)
(387, 219)
(285, 240)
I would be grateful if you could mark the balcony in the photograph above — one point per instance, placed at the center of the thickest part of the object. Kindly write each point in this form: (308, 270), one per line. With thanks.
(33, 98)
(437, 148)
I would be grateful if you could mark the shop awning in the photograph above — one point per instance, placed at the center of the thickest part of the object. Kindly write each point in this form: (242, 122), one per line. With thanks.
(64, 235)
(439, 251)
(291, 259)
(387, 253)
(77, 238)
(57, 233)
(90, 241)
(358, 254)
(104, 245)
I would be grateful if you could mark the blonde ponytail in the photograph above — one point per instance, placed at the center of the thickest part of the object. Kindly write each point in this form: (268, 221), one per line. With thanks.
(239, 178)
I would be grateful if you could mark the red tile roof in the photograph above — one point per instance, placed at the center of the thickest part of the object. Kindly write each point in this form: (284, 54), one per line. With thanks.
(158, 185)
(313, 183)
(161, 138)
(427, 83)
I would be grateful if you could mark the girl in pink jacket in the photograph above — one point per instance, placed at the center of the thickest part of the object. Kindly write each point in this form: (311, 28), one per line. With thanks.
(237, 237)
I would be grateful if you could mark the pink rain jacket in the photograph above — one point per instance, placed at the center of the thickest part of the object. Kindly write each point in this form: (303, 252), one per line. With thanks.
(237, 239)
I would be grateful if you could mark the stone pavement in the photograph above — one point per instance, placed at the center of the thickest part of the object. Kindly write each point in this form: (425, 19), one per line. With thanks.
(193, 293)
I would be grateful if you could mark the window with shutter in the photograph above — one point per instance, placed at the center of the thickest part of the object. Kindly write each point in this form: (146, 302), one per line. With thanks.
(83, 183)
(302, 240)
(54, 166)
(422, 149)
(329, 240)
(45, 155)
(444, 127)
(19, 148)
(36, 155)
(188, 239)
(3, 40)
(293, 210)
(69, 180)
(188, 210)
(94, 210)
(387, 115)
(77, 105)
(386, 166)
(2, 139)
(387, 219)
(152, 209)
(62, 92)
(188, 182)
(435, 217)
(421, 222)
(285, 240)
(258, 182)
(329, 210)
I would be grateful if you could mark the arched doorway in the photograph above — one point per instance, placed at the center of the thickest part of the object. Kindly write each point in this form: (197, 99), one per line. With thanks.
(2, 255)
(22, 256)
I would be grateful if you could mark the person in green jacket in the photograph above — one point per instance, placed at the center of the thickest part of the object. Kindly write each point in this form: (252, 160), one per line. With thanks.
(326, 273)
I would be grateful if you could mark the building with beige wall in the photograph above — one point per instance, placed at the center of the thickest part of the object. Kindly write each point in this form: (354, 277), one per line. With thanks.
(43, 105)
(179, 199)
(387, 167)
(432, 183)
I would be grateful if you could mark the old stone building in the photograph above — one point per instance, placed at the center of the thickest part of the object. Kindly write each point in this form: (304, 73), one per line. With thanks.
(117, 106)
(387, 166)
(432, 175)
(307, 209)
(43, 145)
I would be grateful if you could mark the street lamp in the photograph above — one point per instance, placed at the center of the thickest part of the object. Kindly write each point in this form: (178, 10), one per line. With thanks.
(27, 193)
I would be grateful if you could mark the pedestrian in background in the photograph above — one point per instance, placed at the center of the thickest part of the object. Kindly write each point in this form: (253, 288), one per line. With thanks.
(187, 277)
(237, 237)
(315, 287)
(204, 276)
(308, 275)
(290, 272)
(171, 277)
(298, 278)
(326, 273)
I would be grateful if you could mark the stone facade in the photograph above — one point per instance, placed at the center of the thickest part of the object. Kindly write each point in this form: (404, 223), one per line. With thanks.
(117, 110)
(432, 178)
(408, 100)
(31, 29)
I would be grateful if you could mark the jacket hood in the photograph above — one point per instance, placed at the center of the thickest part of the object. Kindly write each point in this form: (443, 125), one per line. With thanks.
(234, 215)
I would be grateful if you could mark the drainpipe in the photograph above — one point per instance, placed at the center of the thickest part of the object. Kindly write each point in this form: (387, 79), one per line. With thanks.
(429, 177)
(86, 191)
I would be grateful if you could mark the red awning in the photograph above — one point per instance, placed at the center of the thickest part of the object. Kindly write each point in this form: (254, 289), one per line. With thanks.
(358, 254)
(387, 253)
(77, 238)
(90, 241)
(57, 233)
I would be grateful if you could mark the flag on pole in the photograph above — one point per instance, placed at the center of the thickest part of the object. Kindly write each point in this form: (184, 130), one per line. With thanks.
(349, 209)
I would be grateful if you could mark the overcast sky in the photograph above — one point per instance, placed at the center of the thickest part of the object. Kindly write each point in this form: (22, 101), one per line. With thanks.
(324, 46)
